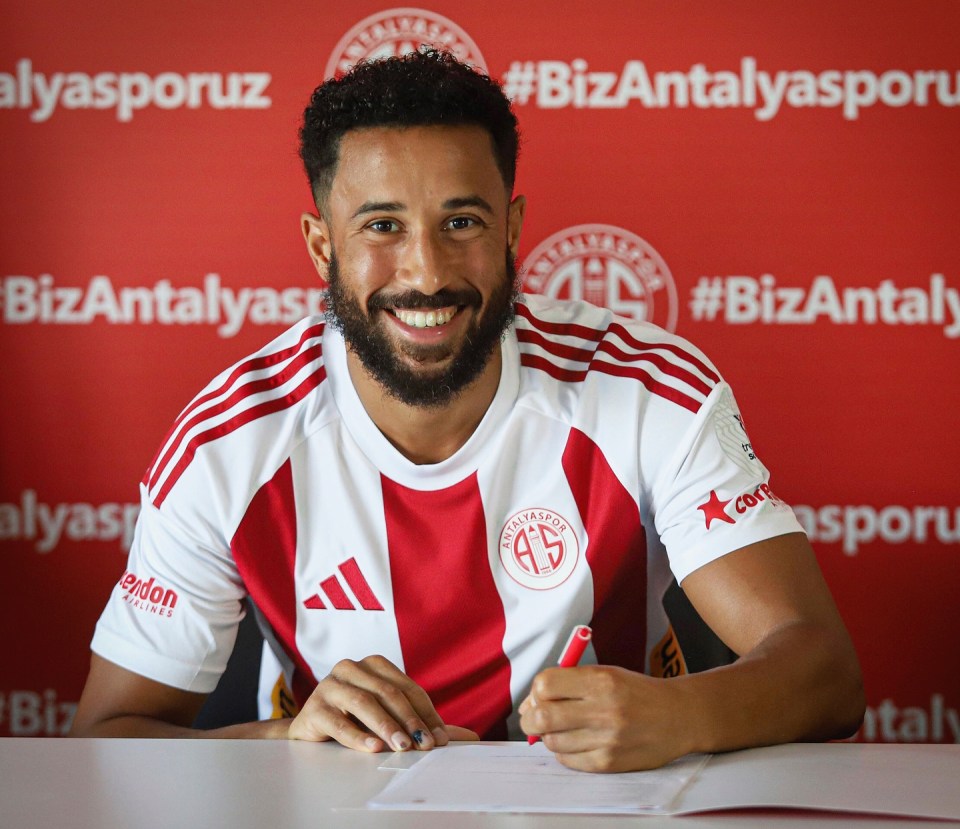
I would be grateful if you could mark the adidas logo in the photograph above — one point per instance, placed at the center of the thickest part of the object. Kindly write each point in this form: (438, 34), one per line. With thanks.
(337, 596)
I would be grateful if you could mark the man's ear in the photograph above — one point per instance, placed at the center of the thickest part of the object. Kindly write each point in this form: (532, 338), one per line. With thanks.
(515, 222)
(316, 234)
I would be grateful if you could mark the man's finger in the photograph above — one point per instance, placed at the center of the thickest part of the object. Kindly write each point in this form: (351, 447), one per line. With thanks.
(595, 760)
(408, 703)
(574, 740)
(607, 760)
(320, 722)
(349, 699)
(560, 683)
(556, 716)
(457, 732)
(394, 716)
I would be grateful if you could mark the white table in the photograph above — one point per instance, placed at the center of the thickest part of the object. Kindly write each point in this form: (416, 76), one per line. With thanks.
(103, 784)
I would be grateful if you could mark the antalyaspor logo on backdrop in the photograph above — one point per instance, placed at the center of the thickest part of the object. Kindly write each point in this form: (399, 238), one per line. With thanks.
(608, 266)
(398, 32)
(127, 92)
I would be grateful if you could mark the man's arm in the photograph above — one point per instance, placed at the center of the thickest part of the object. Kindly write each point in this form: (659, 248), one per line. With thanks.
(369, 705)
(797, 677)
(119, 703)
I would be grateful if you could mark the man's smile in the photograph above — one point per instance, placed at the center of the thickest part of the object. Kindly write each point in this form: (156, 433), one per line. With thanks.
(425, 319)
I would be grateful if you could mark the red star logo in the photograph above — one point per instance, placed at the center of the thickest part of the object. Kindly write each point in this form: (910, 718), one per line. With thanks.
(714, 509)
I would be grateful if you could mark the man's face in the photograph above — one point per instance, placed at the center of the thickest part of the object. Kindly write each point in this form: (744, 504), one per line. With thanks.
(418, 241)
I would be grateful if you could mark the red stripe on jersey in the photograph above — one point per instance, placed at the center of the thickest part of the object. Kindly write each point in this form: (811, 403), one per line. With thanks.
(336, 595)
(658, 360)
(268, 407)
(253, 364)
(569, 375)
(569, 329)
(568, 352)
(449, 614)
(673, 348)
(586, 355)
(359, 585)
(616, 553)
(265, 549)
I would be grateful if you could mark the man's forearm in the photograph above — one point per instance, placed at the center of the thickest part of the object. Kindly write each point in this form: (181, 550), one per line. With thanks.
(138, 726)
(800, 684)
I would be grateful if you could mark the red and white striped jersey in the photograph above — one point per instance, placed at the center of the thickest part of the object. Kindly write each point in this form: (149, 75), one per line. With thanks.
(612, 454)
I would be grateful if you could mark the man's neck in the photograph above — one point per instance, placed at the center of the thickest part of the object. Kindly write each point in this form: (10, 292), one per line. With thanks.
(427, 434)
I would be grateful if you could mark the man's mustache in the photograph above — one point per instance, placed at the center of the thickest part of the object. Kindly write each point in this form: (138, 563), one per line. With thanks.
(414, 299)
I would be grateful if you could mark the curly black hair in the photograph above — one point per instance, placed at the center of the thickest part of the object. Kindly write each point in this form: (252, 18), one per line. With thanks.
(424, 88)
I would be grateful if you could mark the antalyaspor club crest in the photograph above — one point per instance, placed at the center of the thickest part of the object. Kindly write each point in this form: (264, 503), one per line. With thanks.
(396, 32)
(608, 266)
(538, 548)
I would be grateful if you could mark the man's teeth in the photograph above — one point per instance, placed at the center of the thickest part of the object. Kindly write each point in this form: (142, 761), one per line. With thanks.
(425, 319)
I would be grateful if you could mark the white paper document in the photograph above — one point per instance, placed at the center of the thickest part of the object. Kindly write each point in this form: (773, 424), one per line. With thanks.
(517, 777)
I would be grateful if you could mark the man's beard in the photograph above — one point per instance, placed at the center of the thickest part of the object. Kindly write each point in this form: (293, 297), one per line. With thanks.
(425, 386)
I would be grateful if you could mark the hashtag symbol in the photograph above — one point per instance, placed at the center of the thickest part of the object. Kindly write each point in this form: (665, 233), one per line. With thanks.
(707, 298)
(520, 81)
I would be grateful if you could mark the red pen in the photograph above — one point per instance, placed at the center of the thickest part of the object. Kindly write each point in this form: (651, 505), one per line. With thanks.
(570, 658)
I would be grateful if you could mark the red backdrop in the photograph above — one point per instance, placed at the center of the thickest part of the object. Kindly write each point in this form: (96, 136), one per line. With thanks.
(778, 185)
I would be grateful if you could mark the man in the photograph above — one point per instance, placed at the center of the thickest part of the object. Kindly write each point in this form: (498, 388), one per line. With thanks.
(425, 494)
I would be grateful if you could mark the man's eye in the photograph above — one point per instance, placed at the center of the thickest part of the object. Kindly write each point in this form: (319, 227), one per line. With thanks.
(383, 226)
(461, 223)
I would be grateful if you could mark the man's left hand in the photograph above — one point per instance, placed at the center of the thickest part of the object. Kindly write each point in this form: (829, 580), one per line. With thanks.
(607, 719)
(796, 678)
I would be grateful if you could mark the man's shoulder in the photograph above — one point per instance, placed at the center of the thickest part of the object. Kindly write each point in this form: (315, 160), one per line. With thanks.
(300, 340)
(572, 317)
(253, 409)
(575, 342)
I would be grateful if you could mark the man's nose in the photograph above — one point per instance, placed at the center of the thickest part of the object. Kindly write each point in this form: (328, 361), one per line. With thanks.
(421, 265)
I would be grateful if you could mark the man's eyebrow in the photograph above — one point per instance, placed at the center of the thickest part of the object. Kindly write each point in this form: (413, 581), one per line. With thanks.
(378, 207)
(467, 201)
(394, 206)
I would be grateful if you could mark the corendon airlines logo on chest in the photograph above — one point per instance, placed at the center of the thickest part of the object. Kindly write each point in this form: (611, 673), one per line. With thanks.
(608, 266)
(395, 32)
(538, 548)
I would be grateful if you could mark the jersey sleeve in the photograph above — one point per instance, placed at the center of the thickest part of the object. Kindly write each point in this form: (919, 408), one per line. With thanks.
(173, 615)
(715, 495)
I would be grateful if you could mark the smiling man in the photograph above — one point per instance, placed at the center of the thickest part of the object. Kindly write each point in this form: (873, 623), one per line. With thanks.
(426, 490)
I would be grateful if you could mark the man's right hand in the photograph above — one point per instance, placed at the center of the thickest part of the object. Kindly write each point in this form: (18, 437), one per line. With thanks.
(371, 705)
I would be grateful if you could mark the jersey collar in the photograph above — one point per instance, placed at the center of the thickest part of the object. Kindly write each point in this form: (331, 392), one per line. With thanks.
(383, 455)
